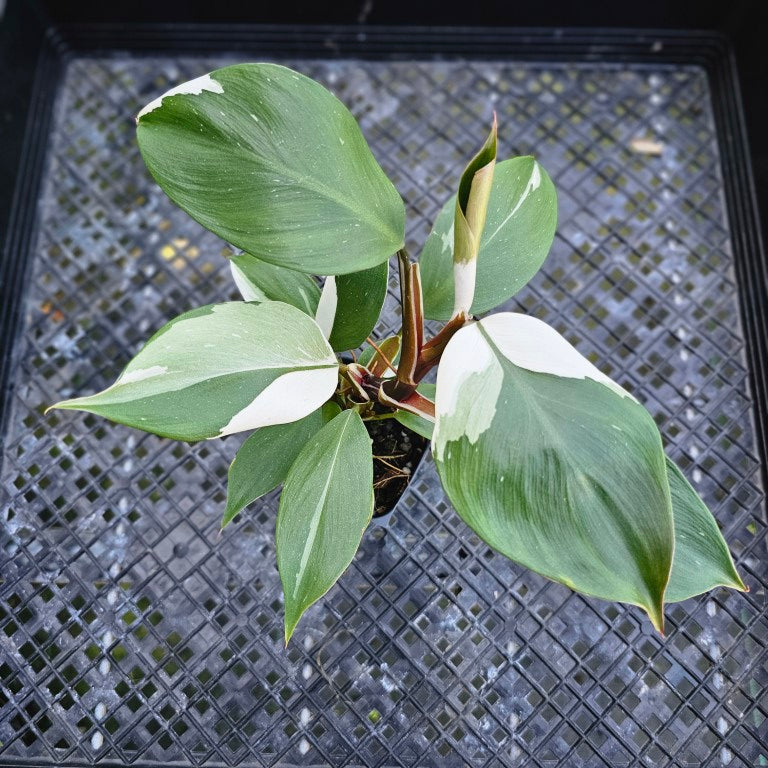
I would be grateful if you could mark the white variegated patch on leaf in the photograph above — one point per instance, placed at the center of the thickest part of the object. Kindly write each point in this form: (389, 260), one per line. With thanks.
(350, 306)
(552, 463)
(222, 369)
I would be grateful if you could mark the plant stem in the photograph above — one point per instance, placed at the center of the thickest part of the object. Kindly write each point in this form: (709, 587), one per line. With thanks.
(413, 327)
(431, 352)
(380, 416)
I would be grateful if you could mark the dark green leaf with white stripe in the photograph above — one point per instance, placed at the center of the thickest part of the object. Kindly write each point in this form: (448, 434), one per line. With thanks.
(326, 504)
(350, 306)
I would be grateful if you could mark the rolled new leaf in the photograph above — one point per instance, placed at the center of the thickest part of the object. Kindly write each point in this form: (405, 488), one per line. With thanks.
(380, 362)
(469, 221)
(552, 463)
(221, 369)
(350, 306)
(259, 281)
(326, 504)
(275, 164)
(519, 230)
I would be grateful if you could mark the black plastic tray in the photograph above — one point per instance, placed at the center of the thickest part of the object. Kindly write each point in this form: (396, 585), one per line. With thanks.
(130, 635)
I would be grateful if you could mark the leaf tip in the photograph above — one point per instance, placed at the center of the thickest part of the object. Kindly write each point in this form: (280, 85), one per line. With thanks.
(290, 626)
(656, 615)
(738, 583)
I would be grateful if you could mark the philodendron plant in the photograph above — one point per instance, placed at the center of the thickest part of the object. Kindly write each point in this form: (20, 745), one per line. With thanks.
(542, 455)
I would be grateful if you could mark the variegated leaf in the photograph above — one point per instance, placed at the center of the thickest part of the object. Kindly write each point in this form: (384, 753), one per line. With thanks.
(222, 369)
(326, 504)
(552, 463)
(350, 306)
(275, 164)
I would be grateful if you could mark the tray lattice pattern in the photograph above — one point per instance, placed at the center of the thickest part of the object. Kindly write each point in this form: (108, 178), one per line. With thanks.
(130, 633)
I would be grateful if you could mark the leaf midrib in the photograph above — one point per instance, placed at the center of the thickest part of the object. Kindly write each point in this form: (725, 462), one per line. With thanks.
(216, 377)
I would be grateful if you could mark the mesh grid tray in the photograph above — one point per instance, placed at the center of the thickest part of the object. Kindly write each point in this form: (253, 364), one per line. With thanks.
(131, 634)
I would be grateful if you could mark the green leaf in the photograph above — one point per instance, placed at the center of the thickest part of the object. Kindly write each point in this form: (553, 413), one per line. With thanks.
(375, 363)
(326, 504)
(258, 281)
(264, 459)
(519, 230)
(222, 369)
(701, 560)
(412, 421)
(552, 463)
(276, 165)
(350, 306)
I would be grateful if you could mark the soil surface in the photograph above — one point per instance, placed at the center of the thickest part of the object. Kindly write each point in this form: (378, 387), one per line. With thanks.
(396, 453)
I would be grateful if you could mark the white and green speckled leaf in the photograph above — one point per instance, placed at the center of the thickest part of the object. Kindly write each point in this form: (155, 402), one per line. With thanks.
(326, 504)
(222, 369)
(259, 281)
(519, 229)
(701, 560)
(275, 164)
(552, 463)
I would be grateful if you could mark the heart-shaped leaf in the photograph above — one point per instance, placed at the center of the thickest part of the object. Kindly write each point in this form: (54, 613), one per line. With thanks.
(519, 230)
(258, 281)
(275, 164)
(326, 504)
(702, 560)
(552, 463)
(263, 461)
(222, 369)
(350, 306)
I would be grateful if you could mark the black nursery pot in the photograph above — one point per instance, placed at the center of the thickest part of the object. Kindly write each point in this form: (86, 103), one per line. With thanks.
(133, 634)
(397, 454)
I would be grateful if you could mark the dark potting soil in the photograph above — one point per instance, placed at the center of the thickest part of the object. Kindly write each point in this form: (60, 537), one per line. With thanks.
(396, 453)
